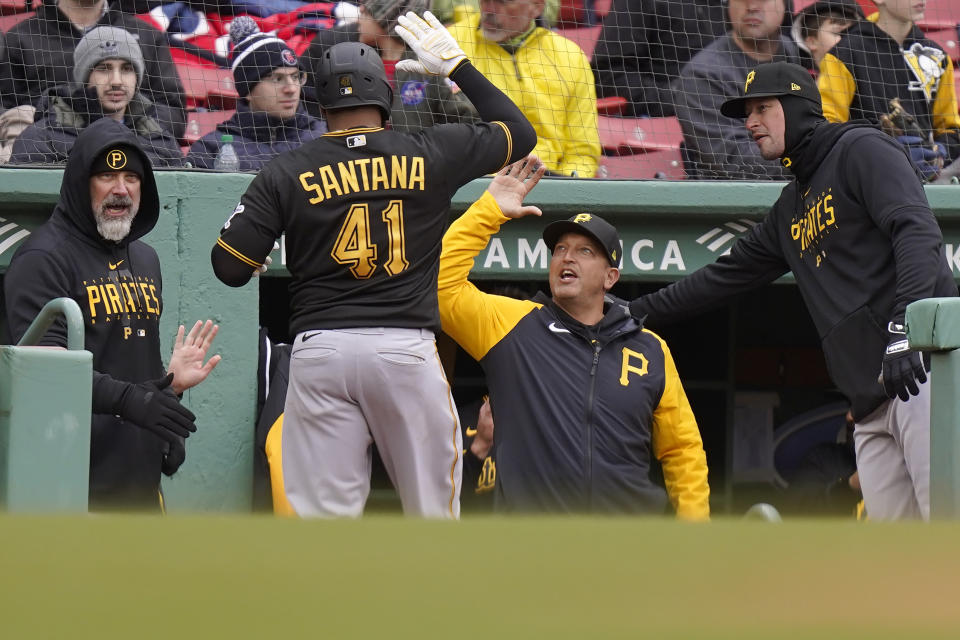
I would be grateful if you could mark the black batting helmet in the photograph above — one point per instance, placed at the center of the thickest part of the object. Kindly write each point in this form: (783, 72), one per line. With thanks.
(351, 74)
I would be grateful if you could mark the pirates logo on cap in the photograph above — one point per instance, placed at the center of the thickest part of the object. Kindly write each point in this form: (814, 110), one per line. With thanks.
(346, 85)
(582, 217)
(116, 159)
(750, 77)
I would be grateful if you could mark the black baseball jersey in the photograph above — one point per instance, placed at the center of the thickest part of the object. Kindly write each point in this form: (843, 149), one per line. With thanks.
(364, 211)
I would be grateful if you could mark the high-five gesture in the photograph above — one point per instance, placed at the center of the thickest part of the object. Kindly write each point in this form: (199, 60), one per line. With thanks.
(186, 362)
(513, 183)
(437, 51)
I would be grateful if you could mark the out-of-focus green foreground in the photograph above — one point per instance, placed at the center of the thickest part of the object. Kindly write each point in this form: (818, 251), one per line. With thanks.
(485, 577)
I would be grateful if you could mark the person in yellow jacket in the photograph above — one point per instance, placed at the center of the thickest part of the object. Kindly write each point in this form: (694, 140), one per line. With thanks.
(545, 74)
(583, 397)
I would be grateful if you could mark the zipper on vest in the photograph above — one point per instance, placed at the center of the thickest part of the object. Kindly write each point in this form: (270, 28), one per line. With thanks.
(589, 422)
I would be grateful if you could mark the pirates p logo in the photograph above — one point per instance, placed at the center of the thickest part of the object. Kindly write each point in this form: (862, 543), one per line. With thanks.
(116, 159)
(582, 217)
(750, 77)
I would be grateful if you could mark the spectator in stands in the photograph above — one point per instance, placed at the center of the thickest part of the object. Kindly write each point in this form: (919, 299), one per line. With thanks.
(40, 56)
(107, 73)
(419, 100)
(877, 63)
(818, 27)
(269, 118)
(643, 45)
(450, 11)
(719, 147)
(545, 74)
(12, 123)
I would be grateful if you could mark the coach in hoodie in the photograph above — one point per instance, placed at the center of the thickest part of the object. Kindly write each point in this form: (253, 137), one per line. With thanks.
(855, 228)
(90, 250)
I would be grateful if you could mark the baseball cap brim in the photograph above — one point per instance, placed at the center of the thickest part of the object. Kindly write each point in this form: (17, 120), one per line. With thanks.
(553, 231)
(737, 107)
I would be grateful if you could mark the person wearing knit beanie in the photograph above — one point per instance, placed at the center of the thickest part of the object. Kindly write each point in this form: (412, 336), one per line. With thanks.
(256, 55)
(269, 118)
(106, 43)
(108, 63)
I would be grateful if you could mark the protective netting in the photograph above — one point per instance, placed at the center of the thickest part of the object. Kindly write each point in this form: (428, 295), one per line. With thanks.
(615, 88)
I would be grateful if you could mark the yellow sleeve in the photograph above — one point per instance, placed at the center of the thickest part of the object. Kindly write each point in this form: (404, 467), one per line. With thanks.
(476, 320)
(837, 88)
(945, 116)
(581, 152)
(678, 447)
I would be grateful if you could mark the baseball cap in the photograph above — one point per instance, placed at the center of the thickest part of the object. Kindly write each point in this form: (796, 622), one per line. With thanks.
(773, 79)
(118, 157)
(590, 225)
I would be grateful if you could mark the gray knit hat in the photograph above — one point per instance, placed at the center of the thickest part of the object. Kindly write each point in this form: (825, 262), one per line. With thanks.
(386, 12)
(105, 43)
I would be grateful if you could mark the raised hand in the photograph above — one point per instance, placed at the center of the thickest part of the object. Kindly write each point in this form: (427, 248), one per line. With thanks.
(512, 184)
(186, 362)
(437, 51)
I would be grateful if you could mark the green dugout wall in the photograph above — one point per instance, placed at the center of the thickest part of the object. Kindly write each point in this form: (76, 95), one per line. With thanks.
(668, 230)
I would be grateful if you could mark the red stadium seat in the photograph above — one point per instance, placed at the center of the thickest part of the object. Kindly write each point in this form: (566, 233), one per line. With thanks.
(623, 136)
(611, 105)
(585, 37)
(944, 13)
(664, 165)
(948, 39)
(200, 123)
(14, 6)
(9, 21)
(208, 87)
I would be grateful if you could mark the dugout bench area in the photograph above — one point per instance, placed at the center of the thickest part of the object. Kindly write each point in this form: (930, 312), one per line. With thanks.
(748, 367)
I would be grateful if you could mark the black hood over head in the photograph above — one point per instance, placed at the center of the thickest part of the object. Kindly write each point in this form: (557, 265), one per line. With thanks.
(808, 137)
(74, 204)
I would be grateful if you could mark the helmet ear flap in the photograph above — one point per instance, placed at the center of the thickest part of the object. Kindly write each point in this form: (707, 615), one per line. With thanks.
(351, 74)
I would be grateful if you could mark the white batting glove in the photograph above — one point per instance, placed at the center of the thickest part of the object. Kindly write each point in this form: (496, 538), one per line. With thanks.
(437, 51)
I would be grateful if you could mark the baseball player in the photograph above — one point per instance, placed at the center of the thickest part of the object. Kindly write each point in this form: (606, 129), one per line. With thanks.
(855, 228)
(364, 211)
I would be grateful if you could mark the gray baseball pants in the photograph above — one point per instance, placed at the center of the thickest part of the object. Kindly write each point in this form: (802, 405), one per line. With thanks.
(350, 388)
(893, 458)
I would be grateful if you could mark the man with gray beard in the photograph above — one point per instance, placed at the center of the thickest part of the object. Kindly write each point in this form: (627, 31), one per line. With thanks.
(90, 250)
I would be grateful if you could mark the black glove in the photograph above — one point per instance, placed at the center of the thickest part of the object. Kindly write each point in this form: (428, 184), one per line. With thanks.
(154, 407)
(174, 457)
(902, 369)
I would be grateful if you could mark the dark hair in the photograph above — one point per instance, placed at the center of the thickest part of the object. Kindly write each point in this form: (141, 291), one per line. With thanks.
(812, 22)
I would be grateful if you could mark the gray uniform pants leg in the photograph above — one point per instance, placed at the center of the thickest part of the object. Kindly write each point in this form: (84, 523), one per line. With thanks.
(352, 387)
(893, 458)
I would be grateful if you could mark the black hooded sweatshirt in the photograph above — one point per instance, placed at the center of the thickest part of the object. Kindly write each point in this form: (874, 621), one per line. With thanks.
(856, 230)
(118, 288)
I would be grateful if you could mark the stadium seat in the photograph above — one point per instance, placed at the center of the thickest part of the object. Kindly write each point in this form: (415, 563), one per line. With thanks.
(623, 136)
(200, 123)
(663, 165)
(8, 21)
(14, 6)
(948, 39)
(585, 37)
(940, 14)
(208, 87)
(611, 105)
